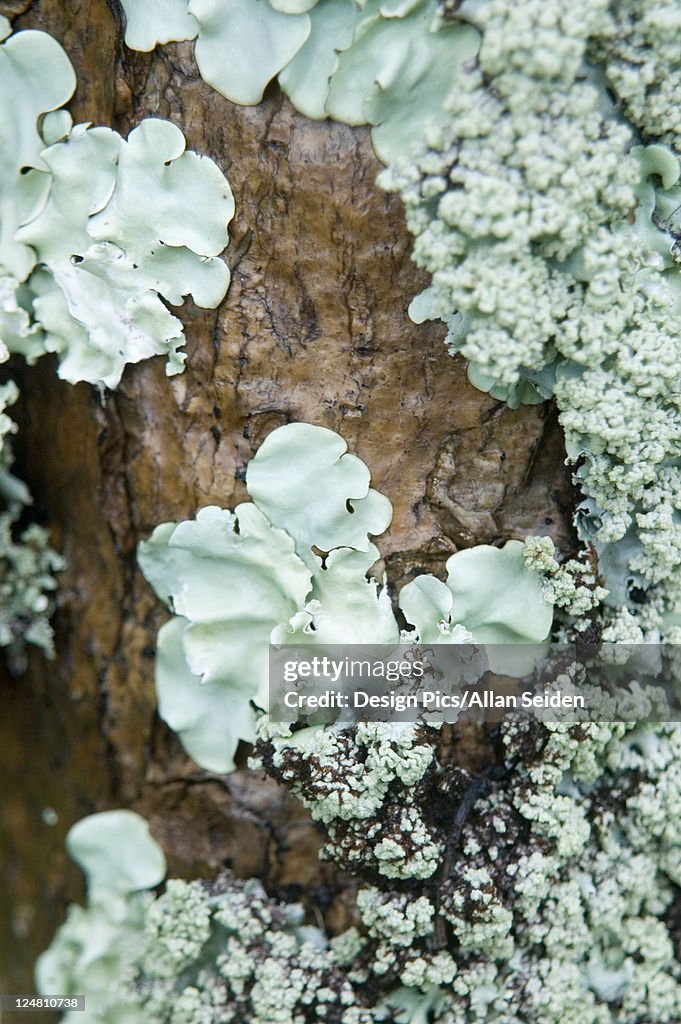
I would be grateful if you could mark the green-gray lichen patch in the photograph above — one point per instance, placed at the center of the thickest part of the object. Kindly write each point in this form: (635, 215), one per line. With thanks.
(96, 231)
(397, 72)
(117, 852)
(35, 77)
(495, 593)
(525, 191)
(389, 65)
(233, 580)
(293, 566)
(113, 237)
(27, 562)
(535, 196)
(242, 45)
(211, 951)
(153, 22)
(95, 237)
(544, 894)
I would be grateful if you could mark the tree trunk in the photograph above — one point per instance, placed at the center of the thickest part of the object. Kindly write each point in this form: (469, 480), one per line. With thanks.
(314, 328)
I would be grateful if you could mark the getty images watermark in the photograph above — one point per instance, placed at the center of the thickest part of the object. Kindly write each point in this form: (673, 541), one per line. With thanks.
(447, 682)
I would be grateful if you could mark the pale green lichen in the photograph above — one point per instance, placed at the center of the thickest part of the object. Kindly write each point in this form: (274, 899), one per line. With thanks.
(549, 895)
(521, 177)
(113, 237)
(35, 79)
(96, 950)
(559, 890)
(95, 230)
(156, 22)
(493, 592)
(591, 902)
(27, 585)
(522, 198)
(397, 71)
(378, 62)
(117, 852)
(237, 580)
(361, 783)
(556, 898)
(535, 196)
(291, 567)
(242, 45)
(396, 925)
(94, 235)
(200, 953)
(27, 562)
(638, 51)
(572, 585)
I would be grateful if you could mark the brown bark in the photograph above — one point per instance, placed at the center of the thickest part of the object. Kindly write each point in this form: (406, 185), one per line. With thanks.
(314, 328)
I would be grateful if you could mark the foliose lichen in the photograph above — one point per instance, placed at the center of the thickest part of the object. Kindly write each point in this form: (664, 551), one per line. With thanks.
(545, 890)
(292, 567)
(537, 194)
(513, 132)
(94, 229)
(553, 896)
(363, 784)
(218, 951)
(382, 62)
(94, 236)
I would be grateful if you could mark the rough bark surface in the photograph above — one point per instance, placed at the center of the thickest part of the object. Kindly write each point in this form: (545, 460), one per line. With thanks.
(314, 328)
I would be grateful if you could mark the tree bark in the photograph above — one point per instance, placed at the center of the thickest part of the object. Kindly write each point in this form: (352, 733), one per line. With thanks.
(314, 328)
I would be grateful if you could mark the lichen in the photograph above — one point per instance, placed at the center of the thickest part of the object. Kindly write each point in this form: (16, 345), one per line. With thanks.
(113, 236)
(94, 235)
(377, 63)
(571, 585)
(545, 889)
(94, 229)
(27, 562)
(27, 586)
(553, 897)
(236, 580)
(638, 52)
(363, 783)
(536, 196)
(200, 953)
(156, 22)
(97, 948)
(525, 188)
(292, 567)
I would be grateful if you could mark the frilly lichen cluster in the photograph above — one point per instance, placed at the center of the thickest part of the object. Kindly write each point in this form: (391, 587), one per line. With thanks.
(550, 234)
(364, 785)
(529, 145)
(534, 894)
(209, 952)
(96, 234)
(376, 62)
(96, 229)
(292, 567)
(553, 897)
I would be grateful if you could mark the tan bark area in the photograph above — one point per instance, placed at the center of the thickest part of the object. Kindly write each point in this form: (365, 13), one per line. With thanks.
(314, 328)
